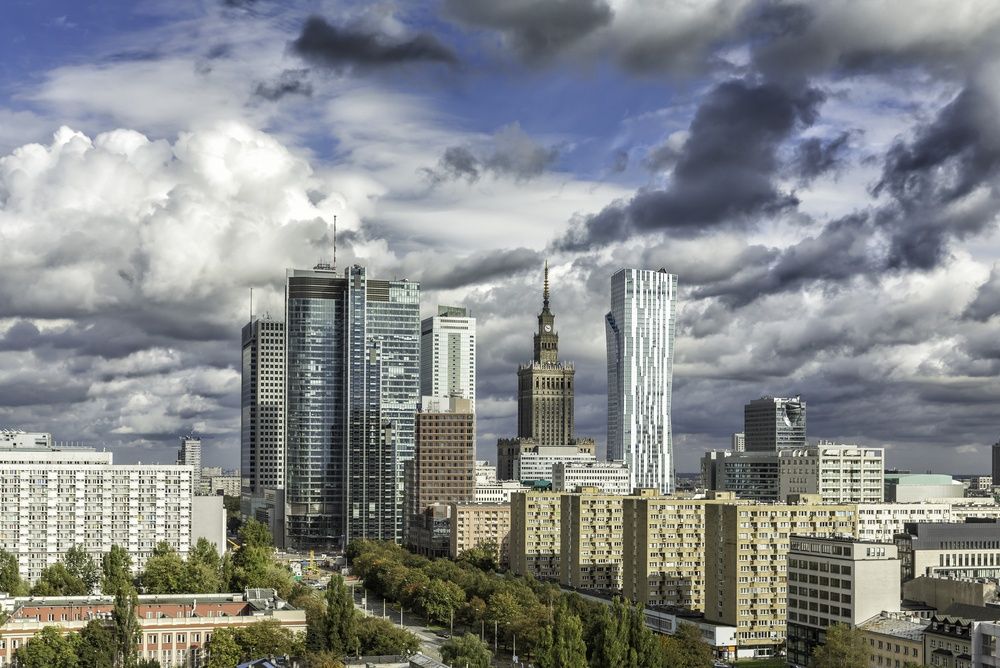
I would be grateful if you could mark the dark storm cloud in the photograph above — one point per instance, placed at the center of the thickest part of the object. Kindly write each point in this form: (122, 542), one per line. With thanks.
(25, 393)
(339, 47)
(514, 153)
(814, 156)
(535, 30)
(289, 82)
(725, 172)
(986, 303)
(481, 267)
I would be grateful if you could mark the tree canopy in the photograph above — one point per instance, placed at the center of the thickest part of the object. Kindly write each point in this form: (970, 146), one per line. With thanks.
(466, 651)
(844, 646)
(57, 580)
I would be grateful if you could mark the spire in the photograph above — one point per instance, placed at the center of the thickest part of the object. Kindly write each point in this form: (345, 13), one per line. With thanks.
(545, 289)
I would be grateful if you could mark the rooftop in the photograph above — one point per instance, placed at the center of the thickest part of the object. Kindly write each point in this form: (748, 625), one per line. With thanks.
(899, 628)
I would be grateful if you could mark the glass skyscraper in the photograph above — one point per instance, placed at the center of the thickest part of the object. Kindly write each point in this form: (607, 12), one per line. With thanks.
(353, 385)
(640, 336)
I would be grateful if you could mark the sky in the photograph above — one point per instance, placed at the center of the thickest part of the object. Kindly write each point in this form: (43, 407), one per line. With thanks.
(821, 176)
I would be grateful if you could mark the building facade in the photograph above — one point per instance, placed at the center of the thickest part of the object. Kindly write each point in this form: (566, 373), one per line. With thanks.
(475, 525)
(448, 355)
(738, 443)
(12, 439)
(539, 463)
(893, 639)
(352, 347)
(640, 329)
(609, 477)
(749, 475)
(535, 534)
(590, 543)
(226, 485)
(262, 402)
(55, 499)
(838, 473)
(774, 423)
(189, 454)
(442, 468)
(969, 550)
(486, 473)
(497, 492)
(836, 581)
(510, 450)
(545, 385)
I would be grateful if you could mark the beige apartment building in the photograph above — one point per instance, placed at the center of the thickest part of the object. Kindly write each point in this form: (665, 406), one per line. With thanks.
(745, 564)
(893, 640)
(535, 534)
(590, 553)
(475, 524)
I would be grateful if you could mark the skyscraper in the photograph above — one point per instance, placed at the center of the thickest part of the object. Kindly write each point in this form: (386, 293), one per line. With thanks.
(996, 464)
(262, 439)
(353, 383)
(448, 355)
(640, 336)
(774, 423)
(545, 386)
(190, 454)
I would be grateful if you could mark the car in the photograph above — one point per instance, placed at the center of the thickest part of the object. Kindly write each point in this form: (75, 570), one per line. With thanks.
(442, 634)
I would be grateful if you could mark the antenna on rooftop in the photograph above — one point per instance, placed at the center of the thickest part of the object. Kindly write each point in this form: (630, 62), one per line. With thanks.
(334, 242)
(251, 304)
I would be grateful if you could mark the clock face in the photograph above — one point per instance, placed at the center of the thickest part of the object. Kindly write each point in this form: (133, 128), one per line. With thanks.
(548, 328)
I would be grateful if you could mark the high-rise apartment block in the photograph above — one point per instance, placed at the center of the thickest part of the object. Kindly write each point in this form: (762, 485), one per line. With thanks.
(836, 581)
(545, 386)
(442, 468)
(189, 454)
(52, 499)
(479, 524)
(640, 332)
(838, 473)
(535, 534)
(352, 350)
(774, 423)
(590, 540)
(262, 419)
(448, 355)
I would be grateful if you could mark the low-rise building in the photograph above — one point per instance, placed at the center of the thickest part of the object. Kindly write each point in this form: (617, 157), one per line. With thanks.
(226, 485)
(836, 580)
(941, 593)
(894, 640)
(921, 487)
(608, 477)
(538, 465)
(981, 483)
(478, 524)
(969, 550)
(948, 639)
(986, 645)
(175, 628)
(497, 491)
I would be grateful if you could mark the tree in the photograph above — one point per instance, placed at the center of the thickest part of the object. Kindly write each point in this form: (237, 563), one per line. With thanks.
(503, 608)
(378, 637)
(126, 630)
(10, 576)
(116, 571)
(440, 600)
(267, 638)
(56, 580)
(164, 572)
(562, 645)
(612, 645)
(223, 650)
(482, 556)
(686, 649)
(48, 648)
(147, 663)
(844, 646)
(340, 619)
(81, 565)
(467, 651)
(643, 649)
(203, 570)
(253, 563)
(96, 646)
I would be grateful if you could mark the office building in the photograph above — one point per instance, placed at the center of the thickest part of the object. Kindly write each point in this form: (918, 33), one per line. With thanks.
(448, 355)
(510, 450)
(352, 350)
(836, 581)
(738, 443)
(838, 473)
(590, 540)
(995, 450)
(969, 550)
(980, 484)
(774, 423)
(429, 531)
(880, 522)
(921, 487)
(262, 401)
(608, 477)
(175, 627)
(498, 492)
(189, 454)
(52, 499)
(545, 385)
(745, 558)
(985, 644)
(894, 639)
(225, 485)
(538, 464)
(442, 468)
(535, 534)
(640, 331)
(749, 475)
(486, 473)
(479, 524)
(12, 439)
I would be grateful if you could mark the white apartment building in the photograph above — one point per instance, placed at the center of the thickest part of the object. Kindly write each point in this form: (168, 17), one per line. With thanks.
(538, 465)
(448, 355)
(497, 492)
(189, 454)
(738, 442)
(229, 485)
(880, 522)
(15, 438)
(640, 331)
(838, 473)
(54, 499)
(608, 477)
(836, 581)
(485, 473)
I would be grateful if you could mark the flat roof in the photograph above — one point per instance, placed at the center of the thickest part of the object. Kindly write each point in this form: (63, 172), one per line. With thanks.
(899, 628)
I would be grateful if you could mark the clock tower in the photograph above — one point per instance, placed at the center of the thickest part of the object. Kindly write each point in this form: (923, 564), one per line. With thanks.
(545, 385)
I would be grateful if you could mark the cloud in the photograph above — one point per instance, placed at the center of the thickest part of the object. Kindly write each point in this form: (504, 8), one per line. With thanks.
(724, 174)
(289, 82)
(338, 47)
(534, 30)
(814, 156)
(513, 153)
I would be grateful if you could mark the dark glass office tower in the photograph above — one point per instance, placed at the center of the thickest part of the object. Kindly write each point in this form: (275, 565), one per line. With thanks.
(353, 385)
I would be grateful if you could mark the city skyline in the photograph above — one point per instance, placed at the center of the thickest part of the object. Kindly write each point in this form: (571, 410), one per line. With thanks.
(824, 192)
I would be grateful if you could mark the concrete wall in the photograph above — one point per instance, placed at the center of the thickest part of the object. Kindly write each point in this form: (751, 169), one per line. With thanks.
(208, 520)
(941, 593)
